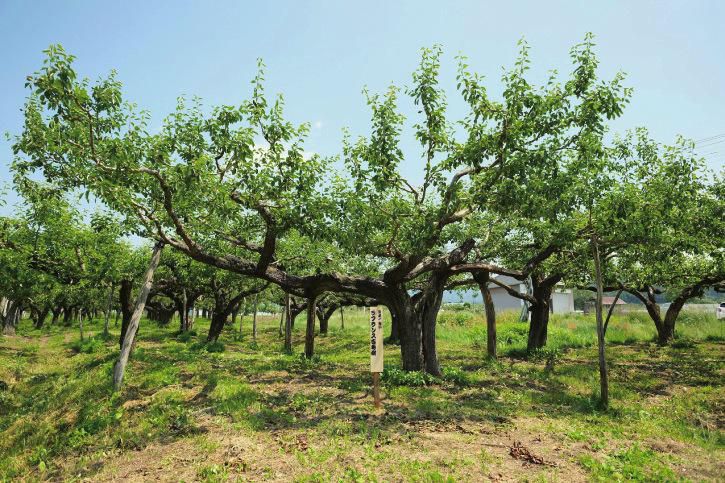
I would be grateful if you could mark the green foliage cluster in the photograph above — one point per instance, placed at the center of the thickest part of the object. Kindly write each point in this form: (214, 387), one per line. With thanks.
(207, 346)
(396, 377)
(89, 345)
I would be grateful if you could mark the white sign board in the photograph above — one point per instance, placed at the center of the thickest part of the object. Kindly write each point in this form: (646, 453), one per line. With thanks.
(376, 339)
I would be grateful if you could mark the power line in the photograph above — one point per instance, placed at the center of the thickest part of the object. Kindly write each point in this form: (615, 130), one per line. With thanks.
(708, 144)
(709, 138)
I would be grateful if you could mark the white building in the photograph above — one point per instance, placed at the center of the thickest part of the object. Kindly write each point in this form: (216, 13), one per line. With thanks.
(562, 299)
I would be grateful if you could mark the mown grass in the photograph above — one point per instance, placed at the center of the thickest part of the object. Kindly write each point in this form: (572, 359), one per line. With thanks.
(59, 417)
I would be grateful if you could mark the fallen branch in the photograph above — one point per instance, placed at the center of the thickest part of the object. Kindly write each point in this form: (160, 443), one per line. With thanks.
(521, 452)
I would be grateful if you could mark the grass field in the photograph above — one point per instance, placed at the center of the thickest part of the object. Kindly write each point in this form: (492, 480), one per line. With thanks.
(245, 411)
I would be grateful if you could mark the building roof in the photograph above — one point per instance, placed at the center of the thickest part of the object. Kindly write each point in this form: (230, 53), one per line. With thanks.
(610, 301)
(510, 281)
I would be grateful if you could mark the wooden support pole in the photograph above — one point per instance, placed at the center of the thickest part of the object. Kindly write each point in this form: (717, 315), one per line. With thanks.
(287, 325)
(108, 311)
(376, 389)
(128, 340)
(241, 318)
(254, 319)
(310, 328)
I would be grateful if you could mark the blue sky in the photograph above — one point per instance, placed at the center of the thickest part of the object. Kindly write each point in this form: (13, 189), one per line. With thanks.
(320, 54)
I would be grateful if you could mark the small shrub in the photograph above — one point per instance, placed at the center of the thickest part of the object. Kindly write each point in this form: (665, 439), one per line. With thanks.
(208, 346)
(683, 343)
(544, 354)
(456, 376)
(213, 473)
(78, 438)
(105, 337)
(300, 363)
(88, 346)
(215, 347)
(185, 336)
(169, 414)
(39, 458)
(397, 377)
(197, 346)
(352, 474)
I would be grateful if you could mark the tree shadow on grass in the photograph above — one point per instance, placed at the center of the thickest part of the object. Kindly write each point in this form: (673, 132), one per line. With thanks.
(99, 361)
(688, 366)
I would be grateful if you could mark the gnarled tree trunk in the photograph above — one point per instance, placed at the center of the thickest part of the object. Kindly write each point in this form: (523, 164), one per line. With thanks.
(540, 311)
(39, 315)
(410, 328)
(427, 309)
(324, 315)
(11, 318)
(125, 301)
(666, 325)
(666, 334)
(56, 311)
(224, 305)
(218, 320)
(67, 315)
(182, 308)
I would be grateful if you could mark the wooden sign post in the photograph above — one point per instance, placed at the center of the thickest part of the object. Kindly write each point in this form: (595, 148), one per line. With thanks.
(376, 350)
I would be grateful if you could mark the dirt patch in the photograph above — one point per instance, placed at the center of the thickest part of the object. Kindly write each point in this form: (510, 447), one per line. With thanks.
(467, 451)
(135, 404)
(409, 447)
(689, 461)
(220, 452)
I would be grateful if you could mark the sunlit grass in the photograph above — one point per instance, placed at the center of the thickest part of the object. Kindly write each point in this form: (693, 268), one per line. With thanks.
(59, 412)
